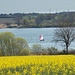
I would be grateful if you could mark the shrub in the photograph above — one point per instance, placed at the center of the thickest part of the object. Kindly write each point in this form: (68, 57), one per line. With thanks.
(2, 53)
(72, 51)
(52, 50)
(36, 48)
(24, 52)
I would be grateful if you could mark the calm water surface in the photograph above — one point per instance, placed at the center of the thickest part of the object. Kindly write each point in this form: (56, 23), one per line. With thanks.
(32, 36)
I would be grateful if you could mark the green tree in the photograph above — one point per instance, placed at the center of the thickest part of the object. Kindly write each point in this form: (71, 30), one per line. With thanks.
(7, 41)
(25, 22)
(65, 20)
(49, 16)
(21, 44)
(39, 19)
(11, 45)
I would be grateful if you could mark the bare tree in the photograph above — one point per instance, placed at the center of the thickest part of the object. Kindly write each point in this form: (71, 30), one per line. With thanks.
(65, 35)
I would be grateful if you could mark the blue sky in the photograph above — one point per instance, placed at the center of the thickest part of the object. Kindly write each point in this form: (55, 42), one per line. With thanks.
(36, 6)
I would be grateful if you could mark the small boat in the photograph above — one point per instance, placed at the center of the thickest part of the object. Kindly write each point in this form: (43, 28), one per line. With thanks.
(41, 38)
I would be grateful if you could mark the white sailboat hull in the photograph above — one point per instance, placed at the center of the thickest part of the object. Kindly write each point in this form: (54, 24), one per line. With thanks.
(41, 39)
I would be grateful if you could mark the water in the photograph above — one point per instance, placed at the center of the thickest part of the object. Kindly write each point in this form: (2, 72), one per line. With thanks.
(32, 36)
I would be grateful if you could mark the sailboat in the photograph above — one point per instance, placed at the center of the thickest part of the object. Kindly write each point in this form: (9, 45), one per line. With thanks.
(41, 38)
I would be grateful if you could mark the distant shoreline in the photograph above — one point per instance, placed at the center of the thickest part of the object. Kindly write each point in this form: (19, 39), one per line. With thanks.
(2, 26)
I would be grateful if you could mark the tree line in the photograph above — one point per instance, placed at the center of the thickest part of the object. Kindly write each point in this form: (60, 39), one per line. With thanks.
(40, 20)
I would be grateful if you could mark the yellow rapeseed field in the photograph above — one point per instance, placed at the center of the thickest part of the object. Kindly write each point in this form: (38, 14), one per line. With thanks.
(38, 65)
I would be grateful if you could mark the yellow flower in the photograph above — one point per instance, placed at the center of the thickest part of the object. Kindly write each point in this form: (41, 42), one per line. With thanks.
(40, 64)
